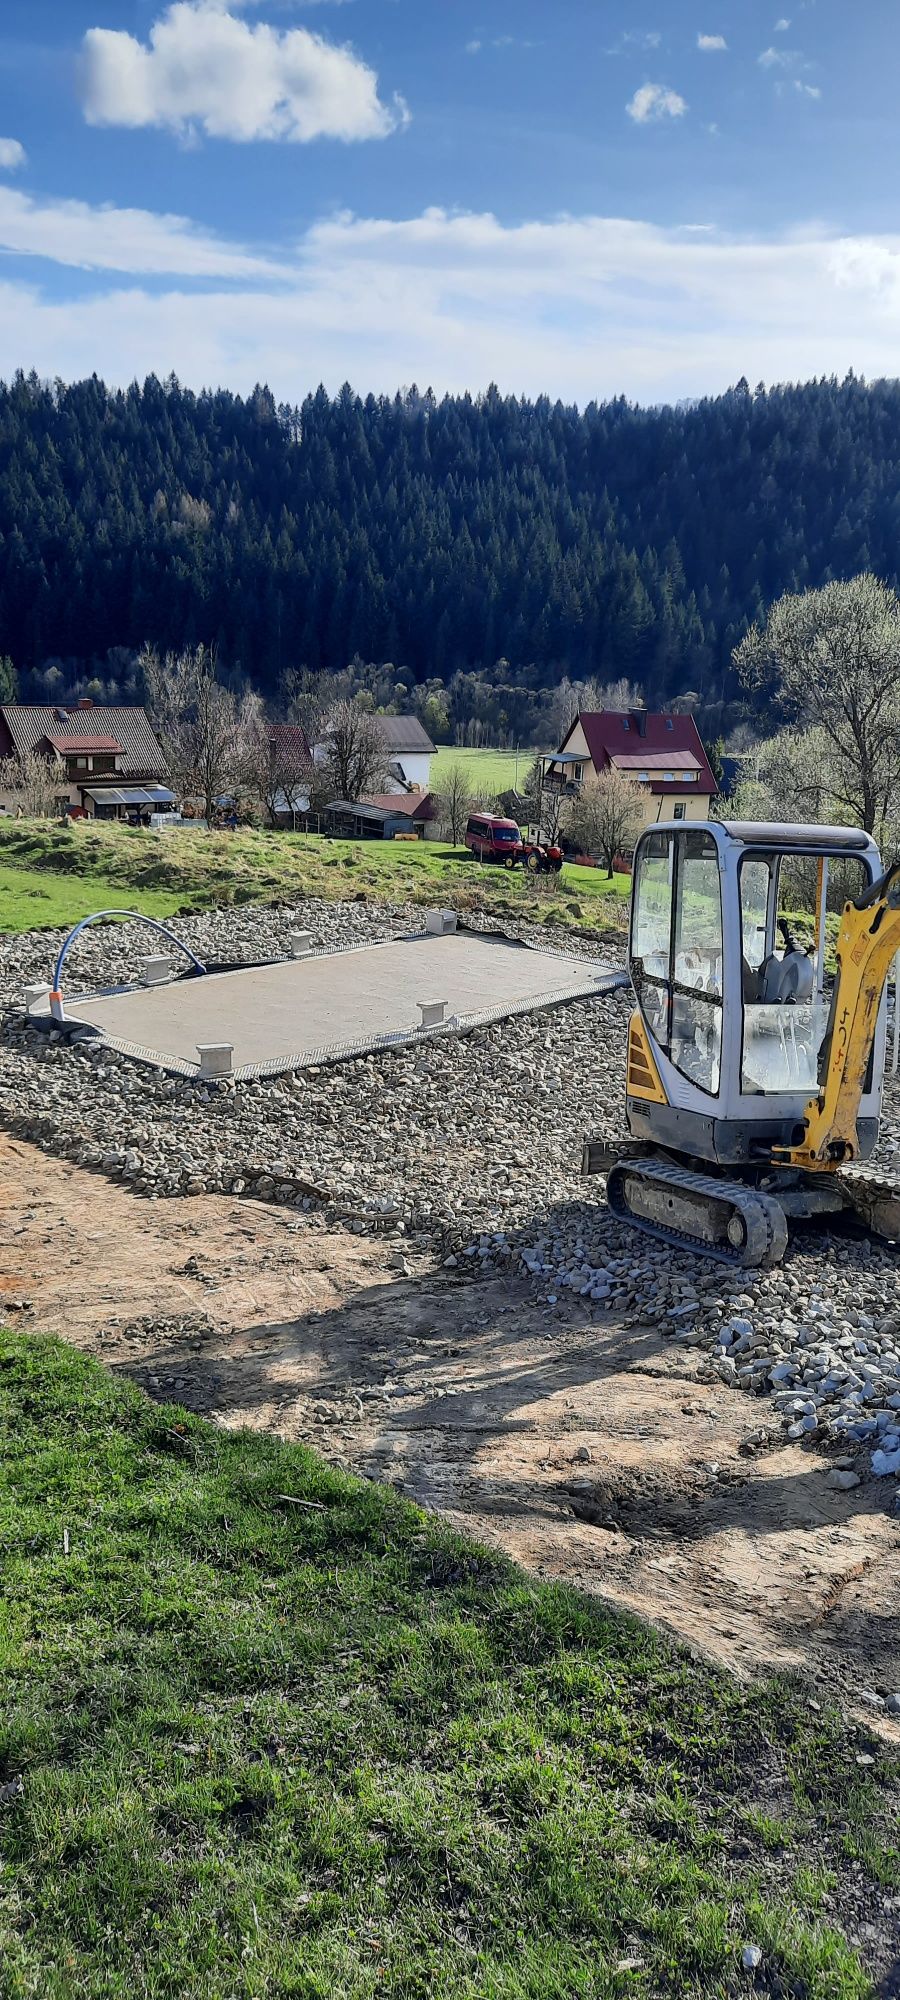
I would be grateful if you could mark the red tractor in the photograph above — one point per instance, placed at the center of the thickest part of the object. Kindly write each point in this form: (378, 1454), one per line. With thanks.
(541, 859)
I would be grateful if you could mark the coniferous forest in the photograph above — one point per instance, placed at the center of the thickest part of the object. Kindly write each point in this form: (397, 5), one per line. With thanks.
(461, 537)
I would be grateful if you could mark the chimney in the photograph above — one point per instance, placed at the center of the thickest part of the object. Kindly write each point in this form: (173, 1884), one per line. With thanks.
(640, 721)
(84, 703)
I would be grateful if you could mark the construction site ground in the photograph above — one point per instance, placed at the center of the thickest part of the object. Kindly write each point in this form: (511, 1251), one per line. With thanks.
(591, 1454)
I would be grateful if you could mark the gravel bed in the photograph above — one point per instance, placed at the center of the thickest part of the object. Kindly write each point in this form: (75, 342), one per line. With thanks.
(471, 1146)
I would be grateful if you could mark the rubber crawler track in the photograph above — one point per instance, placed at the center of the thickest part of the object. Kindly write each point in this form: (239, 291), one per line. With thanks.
(763, 1218)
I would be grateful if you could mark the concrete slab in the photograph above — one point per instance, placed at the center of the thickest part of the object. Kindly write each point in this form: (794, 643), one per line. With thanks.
(320, 1008)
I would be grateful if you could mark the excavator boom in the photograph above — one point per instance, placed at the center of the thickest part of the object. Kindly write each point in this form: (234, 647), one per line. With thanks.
(868, 940)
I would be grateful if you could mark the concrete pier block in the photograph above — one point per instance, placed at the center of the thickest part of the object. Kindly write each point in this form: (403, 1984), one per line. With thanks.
(216, 1058)
(440, 923)
(432, 1012)
(32, 995)
(155, 971)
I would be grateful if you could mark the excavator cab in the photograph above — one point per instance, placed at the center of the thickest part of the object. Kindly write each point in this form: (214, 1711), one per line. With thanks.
(746, 1001)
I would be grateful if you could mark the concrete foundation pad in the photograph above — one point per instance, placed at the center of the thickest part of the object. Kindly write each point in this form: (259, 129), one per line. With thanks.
(329, 1005)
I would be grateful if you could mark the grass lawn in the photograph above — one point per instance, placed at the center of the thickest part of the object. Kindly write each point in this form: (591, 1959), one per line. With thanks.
(88, 865)
(488, 771)
(329, 1749)
(35, 899)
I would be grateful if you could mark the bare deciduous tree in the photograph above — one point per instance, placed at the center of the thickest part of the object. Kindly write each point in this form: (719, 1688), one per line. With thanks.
(456, 801)
(355, 760)
(607, 816)
(278, 762)
(836, 655)
(33, 784)
(572, 698)
(203, 728)
(544, 803)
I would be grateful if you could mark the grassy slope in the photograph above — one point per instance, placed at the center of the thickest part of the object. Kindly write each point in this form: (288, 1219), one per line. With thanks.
(195, 870)
(333, 1750)
(32, 899)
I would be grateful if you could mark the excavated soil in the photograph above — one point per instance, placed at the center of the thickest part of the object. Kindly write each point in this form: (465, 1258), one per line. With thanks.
(592, 1454)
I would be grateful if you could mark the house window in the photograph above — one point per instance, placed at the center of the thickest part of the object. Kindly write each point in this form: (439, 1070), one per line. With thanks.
(669, 722)
(643, 777)
(678, 811)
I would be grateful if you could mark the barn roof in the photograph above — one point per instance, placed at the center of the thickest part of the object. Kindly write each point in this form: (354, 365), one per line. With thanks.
(403, 805)
(404, 734)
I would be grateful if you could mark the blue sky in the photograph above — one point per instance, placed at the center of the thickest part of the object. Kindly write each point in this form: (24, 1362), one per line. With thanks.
(583, 197)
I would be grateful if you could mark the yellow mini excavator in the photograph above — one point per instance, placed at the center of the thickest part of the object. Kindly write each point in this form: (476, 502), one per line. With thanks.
(754, 1079)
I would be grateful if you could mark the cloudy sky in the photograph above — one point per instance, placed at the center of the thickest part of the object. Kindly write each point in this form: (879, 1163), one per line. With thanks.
(579, 197)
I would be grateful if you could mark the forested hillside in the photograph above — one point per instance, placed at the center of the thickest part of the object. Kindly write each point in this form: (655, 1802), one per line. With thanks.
(441, 536)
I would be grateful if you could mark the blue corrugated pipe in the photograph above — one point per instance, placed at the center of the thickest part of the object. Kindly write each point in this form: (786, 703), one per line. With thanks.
(135, 917)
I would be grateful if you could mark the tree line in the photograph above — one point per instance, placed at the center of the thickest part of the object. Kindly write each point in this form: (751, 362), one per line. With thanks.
(476, 550)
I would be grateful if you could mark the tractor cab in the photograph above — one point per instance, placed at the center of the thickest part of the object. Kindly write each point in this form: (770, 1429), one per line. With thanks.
(732, 962)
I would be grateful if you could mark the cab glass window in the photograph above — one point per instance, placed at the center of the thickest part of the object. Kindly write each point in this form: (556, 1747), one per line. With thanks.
(651, 932)
(696, 1038)
(786, 991)
(755, 878)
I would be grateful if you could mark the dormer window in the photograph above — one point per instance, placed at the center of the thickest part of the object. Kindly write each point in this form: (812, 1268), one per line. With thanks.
(669, 722)
(625, 722)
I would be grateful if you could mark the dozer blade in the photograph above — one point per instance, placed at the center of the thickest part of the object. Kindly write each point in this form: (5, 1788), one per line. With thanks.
(876, 1203)
(717, 1218)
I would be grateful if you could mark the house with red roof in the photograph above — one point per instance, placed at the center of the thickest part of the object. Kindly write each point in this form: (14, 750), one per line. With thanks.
(106, 763)
(661, 753)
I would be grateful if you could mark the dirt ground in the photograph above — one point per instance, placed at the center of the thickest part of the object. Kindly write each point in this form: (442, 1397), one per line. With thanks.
(591, 1453)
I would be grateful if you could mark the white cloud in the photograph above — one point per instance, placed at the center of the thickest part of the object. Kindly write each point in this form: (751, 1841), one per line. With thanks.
(203, 68)
(778, 58)
(499, 42)
(121, 239)
(711, 42)
(653, 102)
(636, 38)
(12, 155)
(782, 26)
(807, 89)
(578, 307)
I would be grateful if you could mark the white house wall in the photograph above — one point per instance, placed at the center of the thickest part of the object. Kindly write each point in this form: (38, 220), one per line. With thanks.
(416, 768)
